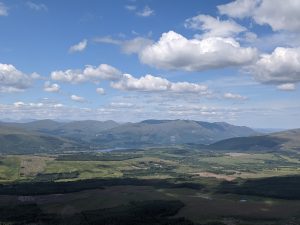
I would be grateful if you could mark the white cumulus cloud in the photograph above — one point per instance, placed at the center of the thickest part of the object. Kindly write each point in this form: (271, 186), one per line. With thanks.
(101, 72)
(188, 87)
(78, 47)
(214, 26)
(279, 67)
(69, 76)
(89, 73)
(12, 79)
(239, 8)
(153, 83)
(51, 87)
(278, 14)
(100, 91)
(19, 104)
(146, 83)
(77, 98)
(229, 95)
(175, 52)
(286, 87)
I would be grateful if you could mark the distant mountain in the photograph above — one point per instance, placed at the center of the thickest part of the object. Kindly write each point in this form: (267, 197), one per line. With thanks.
(285, 140)
(268, 130)
(89, 126)
(102, 134)
(10, 120)
(39, 125)
(21, 141)
(80, 131)
(168, 132)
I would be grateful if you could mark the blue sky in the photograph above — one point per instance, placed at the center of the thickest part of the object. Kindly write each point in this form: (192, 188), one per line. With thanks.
(234, 61)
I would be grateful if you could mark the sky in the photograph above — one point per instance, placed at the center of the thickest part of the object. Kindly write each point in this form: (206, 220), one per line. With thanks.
(131, 60)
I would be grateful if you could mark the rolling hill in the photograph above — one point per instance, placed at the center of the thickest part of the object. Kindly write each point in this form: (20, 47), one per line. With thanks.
(79, 131)
(21, 141)
(291, 138)
(285, 140)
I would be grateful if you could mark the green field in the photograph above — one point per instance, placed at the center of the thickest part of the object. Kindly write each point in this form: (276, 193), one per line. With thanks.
(151, 163)
(211, 186)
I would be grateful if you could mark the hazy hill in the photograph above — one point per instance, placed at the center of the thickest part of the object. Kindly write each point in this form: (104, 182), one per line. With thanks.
(21, 141)
(284, 140)
(166, 132)
(268, 130)
(291, 138)
(87, 127)
(49, 136)
(76, 130)
(144, 133)
(39, 125)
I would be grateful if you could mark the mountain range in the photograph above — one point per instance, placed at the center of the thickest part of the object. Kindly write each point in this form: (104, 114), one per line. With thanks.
(54, 136)
(170, 132)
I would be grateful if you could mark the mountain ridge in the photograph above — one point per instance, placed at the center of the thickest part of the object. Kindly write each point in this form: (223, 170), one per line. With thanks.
(53, 136)
(145, 133)
(167, 132)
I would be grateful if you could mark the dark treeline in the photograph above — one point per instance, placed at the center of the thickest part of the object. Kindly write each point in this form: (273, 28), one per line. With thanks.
(97, 157)
(40, 177)
(40, 188)
(156, 212)
(286, 187)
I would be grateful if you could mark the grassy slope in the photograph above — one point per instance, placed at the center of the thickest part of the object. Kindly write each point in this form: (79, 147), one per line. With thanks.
(292, 138)
(21, 141)
(285, 140)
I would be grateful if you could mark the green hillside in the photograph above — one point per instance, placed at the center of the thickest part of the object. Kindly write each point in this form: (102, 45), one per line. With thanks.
(21, 141)
(285, 140)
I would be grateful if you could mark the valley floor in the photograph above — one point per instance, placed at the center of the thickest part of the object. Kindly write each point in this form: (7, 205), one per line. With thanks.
(203, 187)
